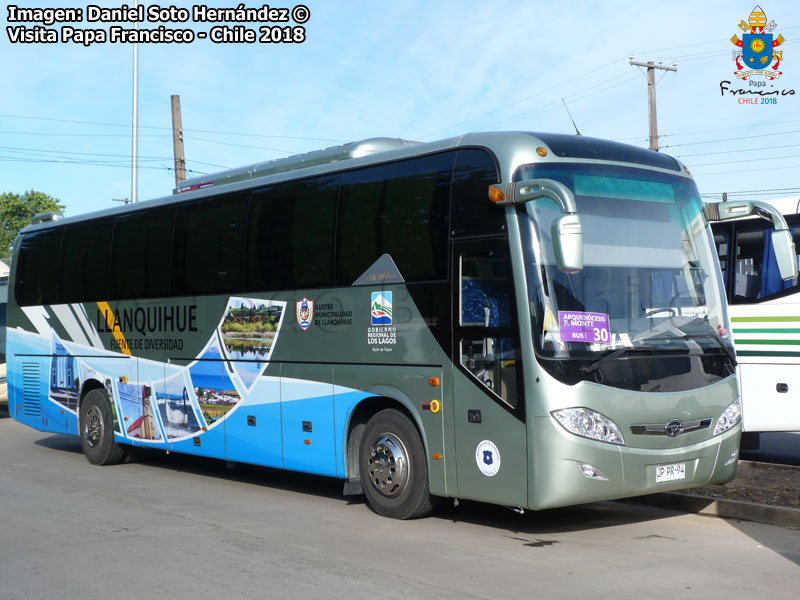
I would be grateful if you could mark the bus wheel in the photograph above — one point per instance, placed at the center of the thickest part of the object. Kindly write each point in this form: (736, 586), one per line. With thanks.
(394, 472)
(97, 430)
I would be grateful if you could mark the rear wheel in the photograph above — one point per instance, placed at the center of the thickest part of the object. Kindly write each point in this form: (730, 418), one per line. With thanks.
(393, 469)
(97, 430)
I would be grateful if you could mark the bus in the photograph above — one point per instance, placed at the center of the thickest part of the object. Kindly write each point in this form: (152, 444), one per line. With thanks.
(765, 314)
(3, 301)
(530, 320)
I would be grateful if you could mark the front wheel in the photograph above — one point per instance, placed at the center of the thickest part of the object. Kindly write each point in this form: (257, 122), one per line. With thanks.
(97, 430)
(393, 469)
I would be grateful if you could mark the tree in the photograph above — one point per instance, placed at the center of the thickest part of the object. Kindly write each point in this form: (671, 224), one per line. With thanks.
(16, 211)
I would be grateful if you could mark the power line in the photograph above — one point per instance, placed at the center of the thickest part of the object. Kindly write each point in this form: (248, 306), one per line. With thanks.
(730, 128)
(664, 135)
(739, 151)
(283, 151)
(769, 192)
(127, 125)
(748, 137)
(123, 156)
(554, 104)
(740, 192)
(747, 160)
(125, 165)
(51, 134)
(758, 170)
(520, 101)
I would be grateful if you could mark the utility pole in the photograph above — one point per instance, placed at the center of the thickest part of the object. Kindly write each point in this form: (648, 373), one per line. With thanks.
(651, 94)
(177, 140)
(135, 119)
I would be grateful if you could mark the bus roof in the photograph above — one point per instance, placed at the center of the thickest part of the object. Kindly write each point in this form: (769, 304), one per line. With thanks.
(787, 206)
(512, 149)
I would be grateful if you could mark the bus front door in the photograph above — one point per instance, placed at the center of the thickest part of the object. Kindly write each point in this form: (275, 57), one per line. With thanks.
(490, 431)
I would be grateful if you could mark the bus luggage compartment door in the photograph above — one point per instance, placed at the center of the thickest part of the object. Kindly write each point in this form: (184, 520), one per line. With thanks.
(770, 397)
(30, 389)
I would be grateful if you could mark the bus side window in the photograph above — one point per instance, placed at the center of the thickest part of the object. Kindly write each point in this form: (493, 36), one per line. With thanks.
(290, 234)
(398, 209)
(756, 276)
(488, 347)
(140, 254)
(36, 273)
(471, 211)
(722, 241)
(207, 246)
(84, 262)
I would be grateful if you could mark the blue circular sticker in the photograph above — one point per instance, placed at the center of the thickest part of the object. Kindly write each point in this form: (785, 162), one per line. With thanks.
(487, 456)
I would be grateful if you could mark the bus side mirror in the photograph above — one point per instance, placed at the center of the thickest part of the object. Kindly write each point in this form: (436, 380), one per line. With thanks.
(785, 253)
(566, 232)
(567, 235)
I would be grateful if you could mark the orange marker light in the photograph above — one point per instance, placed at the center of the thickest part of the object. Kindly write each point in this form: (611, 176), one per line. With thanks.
(307, 442)
(541, 151)
(433, 381)
(437, 456)
(496, 194)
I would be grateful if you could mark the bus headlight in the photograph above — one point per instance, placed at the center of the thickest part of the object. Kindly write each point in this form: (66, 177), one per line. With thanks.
(729, 418)
(589, 424)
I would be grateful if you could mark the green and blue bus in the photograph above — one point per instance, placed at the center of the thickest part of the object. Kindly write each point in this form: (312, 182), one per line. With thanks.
(532, 320)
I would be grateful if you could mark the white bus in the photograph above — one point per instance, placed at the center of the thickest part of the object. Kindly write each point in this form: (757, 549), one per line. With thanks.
(3, 301)
(765, 317)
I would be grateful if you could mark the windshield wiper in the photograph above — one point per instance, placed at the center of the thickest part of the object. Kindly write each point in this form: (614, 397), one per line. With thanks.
(725, 349)
(697, 336)
(610, 356)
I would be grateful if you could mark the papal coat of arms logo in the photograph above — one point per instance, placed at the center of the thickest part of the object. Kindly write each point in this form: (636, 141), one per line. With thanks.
(758, 47)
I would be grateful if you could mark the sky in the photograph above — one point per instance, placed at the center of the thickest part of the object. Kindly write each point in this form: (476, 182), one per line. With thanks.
(418, 70)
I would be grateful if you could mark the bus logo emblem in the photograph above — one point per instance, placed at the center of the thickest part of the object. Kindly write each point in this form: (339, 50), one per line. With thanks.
(381, 308)
(487, 457)
(673, 428)
(305, 312)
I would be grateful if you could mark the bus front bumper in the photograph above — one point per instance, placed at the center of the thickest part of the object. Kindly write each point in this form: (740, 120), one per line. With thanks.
(568, 469)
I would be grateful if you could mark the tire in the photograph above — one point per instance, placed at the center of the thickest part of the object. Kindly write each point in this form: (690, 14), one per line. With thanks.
(750, 441)
(393, 468)
(97, 430)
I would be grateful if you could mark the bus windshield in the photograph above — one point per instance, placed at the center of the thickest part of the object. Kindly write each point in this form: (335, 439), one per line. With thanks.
(650, 284)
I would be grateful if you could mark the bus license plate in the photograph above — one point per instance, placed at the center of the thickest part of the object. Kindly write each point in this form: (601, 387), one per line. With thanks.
(670, 472)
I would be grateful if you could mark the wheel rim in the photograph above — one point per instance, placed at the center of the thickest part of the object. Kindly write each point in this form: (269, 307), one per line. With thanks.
(387, 465)
(93, 427)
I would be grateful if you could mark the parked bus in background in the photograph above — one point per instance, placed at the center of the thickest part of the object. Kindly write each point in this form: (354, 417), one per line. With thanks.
(765, 315)
(531, 320)
(3, 300)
